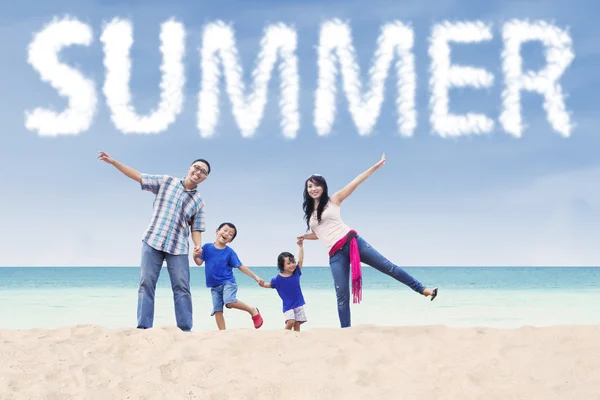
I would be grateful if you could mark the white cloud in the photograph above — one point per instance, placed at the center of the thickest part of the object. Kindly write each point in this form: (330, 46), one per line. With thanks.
(444, 75)
(559, 54)
(118, 39)
(219, 44)
(69, 82)
(335, 45)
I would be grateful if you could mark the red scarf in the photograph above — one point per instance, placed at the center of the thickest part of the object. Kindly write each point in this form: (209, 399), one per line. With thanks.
(354, 262)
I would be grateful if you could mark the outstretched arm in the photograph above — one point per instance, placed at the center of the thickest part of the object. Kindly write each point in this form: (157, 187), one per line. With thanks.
(308, 236)
(341, 195)
(247, 271)
(300, 254)
(127, 171)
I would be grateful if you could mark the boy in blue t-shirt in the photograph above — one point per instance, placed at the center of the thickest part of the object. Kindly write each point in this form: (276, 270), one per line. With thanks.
(220, 261)
(287, 284)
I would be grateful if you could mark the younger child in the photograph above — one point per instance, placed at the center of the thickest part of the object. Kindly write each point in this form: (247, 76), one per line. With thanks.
(287, 284)
(220, 261)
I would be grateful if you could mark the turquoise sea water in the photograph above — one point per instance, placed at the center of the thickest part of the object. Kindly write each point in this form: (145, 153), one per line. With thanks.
(52, 297)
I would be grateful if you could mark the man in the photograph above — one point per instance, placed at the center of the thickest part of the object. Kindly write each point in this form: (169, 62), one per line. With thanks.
(178, 208)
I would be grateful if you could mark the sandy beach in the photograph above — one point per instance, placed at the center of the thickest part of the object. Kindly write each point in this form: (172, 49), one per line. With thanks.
(364, 362)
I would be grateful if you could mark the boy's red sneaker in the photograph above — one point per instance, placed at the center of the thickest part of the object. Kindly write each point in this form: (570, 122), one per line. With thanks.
(258, 320)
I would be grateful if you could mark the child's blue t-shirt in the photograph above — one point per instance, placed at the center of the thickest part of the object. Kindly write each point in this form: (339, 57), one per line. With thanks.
(219, 264)
(288, 288)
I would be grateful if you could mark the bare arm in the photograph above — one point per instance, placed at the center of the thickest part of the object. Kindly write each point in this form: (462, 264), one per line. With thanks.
(300, 254)
(127, 171)
(265, 285)
(197, 239)
(197, 254)
(247, 271)
(198, 260)
(197, 227)
(342, 194)
(308, 236)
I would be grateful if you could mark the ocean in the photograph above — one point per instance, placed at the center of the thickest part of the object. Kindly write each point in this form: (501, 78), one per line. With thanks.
(54, 297)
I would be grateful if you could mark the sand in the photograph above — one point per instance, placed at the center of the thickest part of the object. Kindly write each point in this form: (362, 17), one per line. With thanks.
(365, 362)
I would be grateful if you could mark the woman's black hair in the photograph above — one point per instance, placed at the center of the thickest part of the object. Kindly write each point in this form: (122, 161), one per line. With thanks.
(309, 203)
(281, 259)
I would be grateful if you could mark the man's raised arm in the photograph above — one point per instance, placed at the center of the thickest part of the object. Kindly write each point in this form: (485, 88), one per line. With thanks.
(127, 171)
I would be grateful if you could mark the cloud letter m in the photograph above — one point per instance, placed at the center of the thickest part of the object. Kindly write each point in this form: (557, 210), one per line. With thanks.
(219, 47)
(395, 40)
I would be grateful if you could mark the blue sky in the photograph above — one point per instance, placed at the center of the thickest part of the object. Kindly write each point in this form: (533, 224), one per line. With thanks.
(476, 200)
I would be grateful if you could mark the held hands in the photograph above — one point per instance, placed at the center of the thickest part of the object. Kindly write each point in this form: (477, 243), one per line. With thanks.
(300, 241)
(197, 251)
(261, 283)
(197, 254)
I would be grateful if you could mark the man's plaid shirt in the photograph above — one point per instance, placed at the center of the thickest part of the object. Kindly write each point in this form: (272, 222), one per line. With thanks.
(176, 212)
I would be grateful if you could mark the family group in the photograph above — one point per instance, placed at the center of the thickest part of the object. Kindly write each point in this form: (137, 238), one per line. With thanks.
(179, 210)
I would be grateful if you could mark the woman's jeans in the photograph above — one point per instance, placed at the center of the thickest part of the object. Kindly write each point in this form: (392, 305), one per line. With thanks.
(340, 270)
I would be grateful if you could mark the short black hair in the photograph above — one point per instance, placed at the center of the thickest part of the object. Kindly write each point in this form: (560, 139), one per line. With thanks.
(229, 224)
(281, 259)
(204, 161)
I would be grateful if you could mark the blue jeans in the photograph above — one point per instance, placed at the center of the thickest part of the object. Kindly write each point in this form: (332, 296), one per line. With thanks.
(340, 270)
(179, 273)
(222, 295)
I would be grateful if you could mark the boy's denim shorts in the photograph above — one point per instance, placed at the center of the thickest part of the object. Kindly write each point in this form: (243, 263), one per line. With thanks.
(222, 295)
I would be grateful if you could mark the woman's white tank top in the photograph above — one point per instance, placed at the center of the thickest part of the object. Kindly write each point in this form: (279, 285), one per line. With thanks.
(332, 228)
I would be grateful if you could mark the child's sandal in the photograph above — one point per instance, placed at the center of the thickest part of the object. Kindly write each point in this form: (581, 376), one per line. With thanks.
(257, 319)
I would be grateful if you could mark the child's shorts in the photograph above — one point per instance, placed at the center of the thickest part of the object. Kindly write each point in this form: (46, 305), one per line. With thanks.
(223, 294)
(297, 314)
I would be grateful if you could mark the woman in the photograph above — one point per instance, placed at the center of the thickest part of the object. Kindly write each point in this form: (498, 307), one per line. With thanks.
(346, 247)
